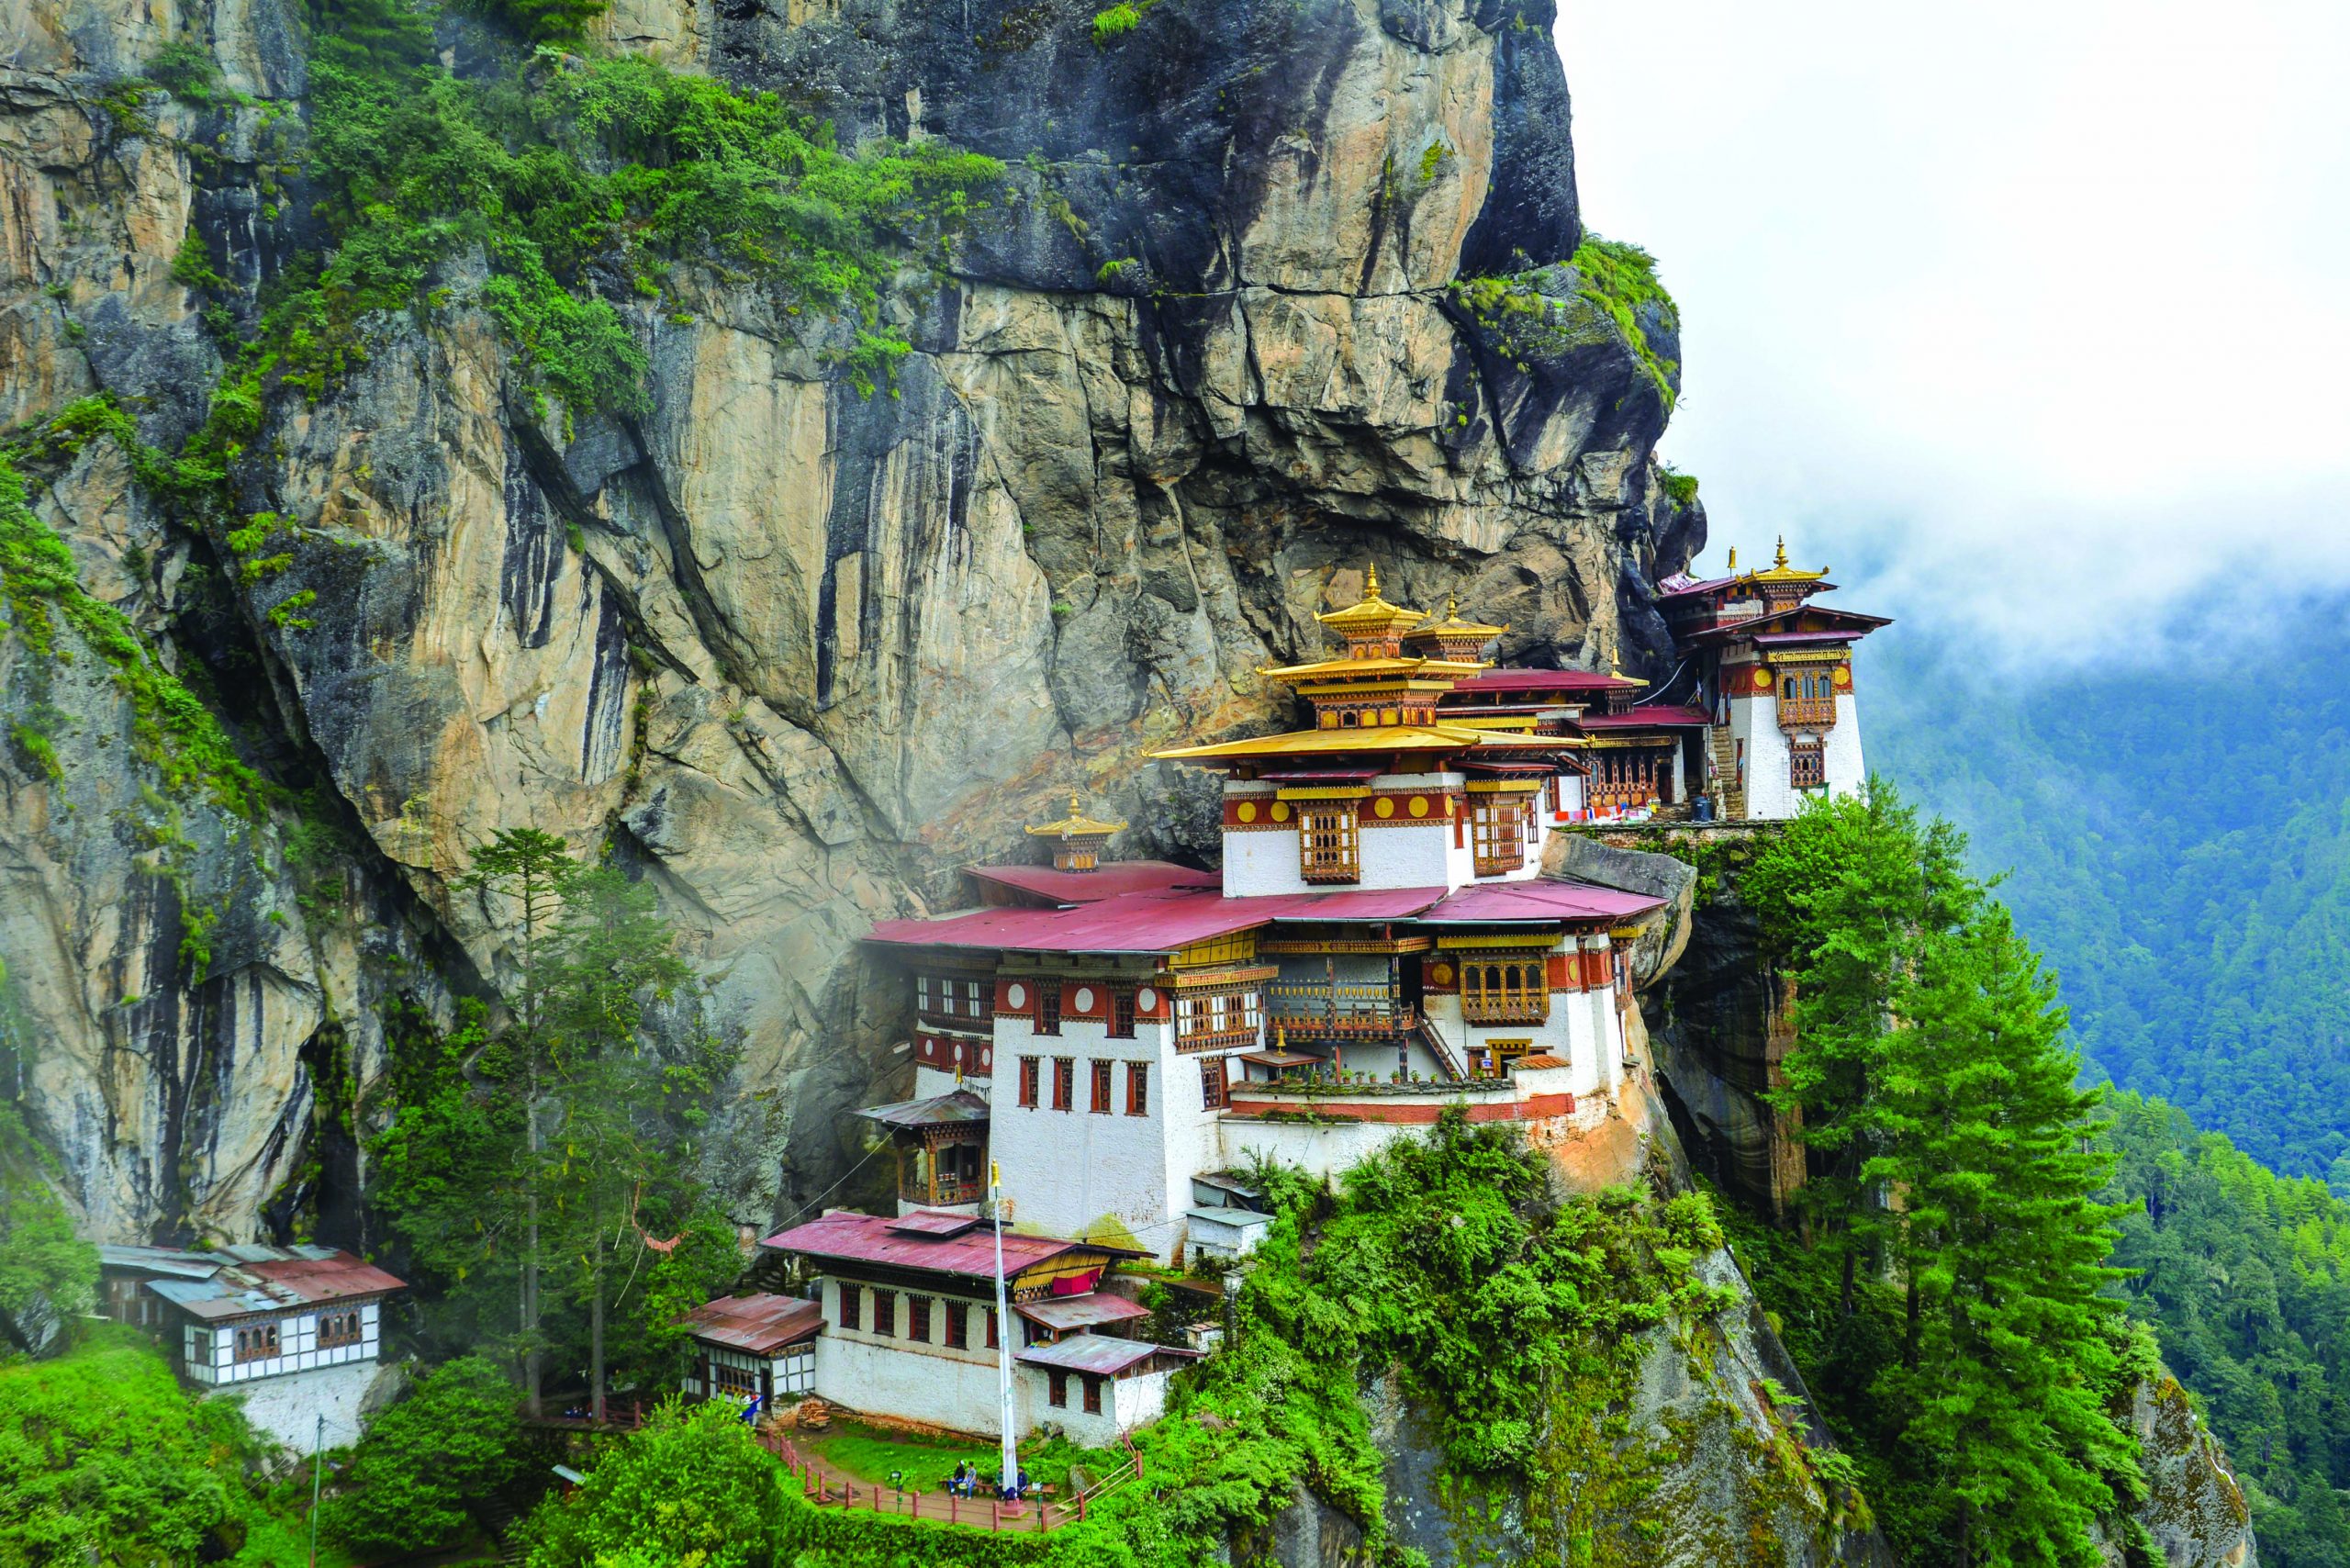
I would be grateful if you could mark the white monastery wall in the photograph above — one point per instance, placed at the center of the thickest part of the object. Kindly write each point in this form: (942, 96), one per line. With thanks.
(1847, 772)
(289, 1407)
(1419, 855)
(887, 1378)
(1324, 1150)
(1082, 1172)
(1769, 794)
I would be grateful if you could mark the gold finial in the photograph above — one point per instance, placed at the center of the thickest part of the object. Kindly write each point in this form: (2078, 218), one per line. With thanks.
(1072, 804)
(1452, 607)
(1280, 1037)
(1370, 582)
(1782, 553)
(1733, 560)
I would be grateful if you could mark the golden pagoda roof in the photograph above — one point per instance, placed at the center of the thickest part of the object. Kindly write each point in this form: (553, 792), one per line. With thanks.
(1077, 825)
(1446, 670)
(1323, 743)
(1373, 616)
(1780, 572)
(1453, 626)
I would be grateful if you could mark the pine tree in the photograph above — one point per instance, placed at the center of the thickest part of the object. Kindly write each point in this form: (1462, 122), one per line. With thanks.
(2008, 1351)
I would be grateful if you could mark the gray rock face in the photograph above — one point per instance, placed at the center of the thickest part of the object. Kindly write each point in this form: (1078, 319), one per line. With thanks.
(795, 653)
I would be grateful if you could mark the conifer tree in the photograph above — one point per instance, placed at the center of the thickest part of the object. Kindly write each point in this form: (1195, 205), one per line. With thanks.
(2009, 1348)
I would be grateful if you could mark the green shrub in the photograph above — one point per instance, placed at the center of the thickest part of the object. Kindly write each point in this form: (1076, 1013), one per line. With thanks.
(450, 1443)
(1116, 22)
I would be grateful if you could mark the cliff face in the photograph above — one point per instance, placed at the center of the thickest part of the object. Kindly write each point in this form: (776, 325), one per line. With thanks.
(795, 653)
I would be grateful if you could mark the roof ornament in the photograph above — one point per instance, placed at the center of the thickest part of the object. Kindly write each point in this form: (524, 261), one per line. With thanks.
(1781, 564)
(1733, 560)
(1371, 581)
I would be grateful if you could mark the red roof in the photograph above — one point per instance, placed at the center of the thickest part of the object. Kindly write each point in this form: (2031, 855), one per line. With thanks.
(1147, 922)
(1106, 881)
(1540, 899)
(846, 1237)
(1661, 717)
(323, 1279)
(1687, 586)
(1129, 923)
(1860, 624)
(1541, 680)
(759, 1324)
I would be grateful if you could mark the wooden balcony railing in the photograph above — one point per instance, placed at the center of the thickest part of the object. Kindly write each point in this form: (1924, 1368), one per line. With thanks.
(1806, 712)
(1352, 1009)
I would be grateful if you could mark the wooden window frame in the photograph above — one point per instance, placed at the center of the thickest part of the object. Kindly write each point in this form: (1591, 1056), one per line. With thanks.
(1093, 1391)
(1048, 1007)
(1098, 1096)
(1122, 1014)
(1215, 1090)
(885, 1313)
(1806, 767)
(1329, 842)
(1031, 1074)
(1056, 1387)
(994, 1327)
(918, 1319)
(1064, 1083)
(1497, 829)
(851, 1312)
(959, 1325)
(1506, 988)
(1137, 1089)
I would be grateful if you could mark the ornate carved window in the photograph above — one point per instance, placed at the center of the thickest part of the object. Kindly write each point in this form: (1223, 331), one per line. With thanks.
(1808, 766)
(337, 1328)
(1210, 1020)
(1063, 1085)
(1513, 990)
(1497, 834)
(1100, 1088)
(1137, 1089)
(1328, 844)
(1030, 1072)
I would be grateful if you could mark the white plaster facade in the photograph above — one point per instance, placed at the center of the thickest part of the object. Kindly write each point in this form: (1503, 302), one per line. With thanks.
(790, 1372)
(1398, 852)
(289, 1407)
(958, 1387)
(208, 1352)
(1764, 747)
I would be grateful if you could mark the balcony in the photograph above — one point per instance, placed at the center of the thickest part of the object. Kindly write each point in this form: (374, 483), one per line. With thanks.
(1806, 712)
(1338, 1010)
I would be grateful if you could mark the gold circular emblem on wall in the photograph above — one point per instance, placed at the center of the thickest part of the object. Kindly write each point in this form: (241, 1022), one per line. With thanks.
(1281, 811)
(1762, 678)
(1843, 674)
(1419, 806)
(1383, 807)
(1440, 974)
(1246, 811)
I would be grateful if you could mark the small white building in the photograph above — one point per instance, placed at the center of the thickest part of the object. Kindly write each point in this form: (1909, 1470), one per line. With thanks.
(761, 1344)
(909, 1326)
(294, 1331)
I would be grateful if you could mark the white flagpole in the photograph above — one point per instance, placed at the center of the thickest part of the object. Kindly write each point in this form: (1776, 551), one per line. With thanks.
(1010, 1472)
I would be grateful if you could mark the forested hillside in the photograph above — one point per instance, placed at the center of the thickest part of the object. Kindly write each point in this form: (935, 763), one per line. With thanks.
(2178, 842)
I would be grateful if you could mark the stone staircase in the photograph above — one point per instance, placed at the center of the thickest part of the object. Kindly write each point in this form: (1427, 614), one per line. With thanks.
(1725, 754)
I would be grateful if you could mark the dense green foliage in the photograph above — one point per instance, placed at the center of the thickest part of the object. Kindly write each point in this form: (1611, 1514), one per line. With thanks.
(607, 162)
(453, 1442)
(104, 1458)
(689, 1486)
(1620, 278)
(1529, 318)
(2244, 1276)
(2175, 836)
(1953, 1307)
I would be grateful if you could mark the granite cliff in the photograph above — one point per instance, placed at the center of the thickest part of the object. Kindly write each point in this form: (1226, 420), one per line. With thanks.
(793, 651)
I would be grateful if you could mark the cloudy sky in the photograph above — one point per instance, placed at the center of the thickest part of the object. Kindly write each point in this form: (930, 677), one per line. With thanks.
(2033, 310)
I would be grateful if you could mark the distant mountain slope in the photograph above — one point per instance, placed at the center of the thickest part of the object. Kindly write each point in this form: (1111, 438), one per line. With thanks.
(2179, 844)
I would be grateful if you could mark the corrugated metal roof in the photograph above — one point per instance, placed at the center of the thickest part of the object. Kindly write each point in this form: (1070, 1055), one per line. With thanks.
(1147, 923)
(1104, 882)
(759, 1324)
(957, 1106)
(1538, 899)
(253, 1277)
(1097, 1354)
(843, 1237)
(1064, 1311)
(160, 1261)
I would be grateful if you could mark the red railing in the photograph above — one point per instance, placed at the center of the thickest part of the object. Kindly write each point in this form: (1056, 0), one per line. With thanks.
(827, 1488)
